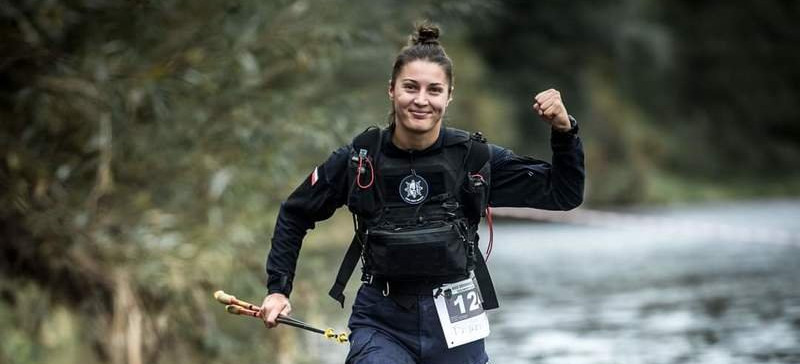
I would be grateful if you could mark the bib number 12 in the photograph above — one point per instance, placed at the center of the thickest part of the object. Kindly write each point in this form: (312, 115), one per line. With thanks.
(461, 313)
(472, 297)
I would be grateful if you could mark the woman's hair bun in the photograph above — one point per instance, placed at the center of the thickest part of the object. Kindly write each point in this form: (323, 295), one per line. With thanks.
(426, 33)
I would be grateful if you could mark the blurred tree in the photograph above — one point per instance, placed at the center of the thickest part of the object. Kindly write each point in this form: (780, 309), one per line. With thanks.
(736, 87)
(671, 91)
(145, 148)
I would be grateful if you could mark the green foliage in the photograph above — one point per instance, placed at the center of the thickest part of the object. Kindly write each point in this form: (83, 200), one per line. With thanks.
(145, 148)
(694, 90)
(740, 87)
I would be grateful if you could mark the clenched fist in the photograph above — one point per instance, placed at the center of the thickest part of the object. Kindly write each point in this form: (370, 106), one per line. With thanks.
(551, 109)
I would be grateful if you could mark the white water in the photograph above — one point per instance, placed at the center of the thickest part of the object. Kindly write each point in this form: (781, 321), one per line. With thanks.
(642, 292)
(635, 294)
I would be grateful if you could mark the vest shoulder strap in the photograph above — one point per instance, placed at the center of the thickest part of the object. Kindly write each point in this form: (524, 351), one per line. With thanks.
(479, 162)
(478, 148)
(369, 140)
(367, 143)
(479, 155)
(453, 136)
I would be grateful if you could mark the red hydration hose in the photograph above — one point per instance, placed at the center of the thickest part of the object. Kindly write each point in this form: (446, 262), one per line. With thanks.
(491, 232)
(360, 169)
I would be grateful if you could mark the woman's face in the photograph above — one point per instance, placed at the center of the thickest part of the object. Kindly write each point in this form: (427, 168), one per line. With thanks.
(419, 97)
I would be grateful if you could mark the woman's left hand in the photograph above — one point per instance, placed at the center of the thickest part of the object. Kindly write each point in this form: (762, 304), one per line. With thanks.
(551, 109)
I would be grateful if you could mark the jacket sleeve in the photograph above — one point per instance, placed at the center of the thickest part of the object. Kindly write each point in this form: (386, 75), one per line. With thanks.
(519, 181)
(316, 199)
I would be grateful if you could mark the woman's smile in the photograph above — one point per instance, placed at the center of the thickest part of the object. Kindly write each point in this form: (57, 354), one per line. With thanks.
(420, 114)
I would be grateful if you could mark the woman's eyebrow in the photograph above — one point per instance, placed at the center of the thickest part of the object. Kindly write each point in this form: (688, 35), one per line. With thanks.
(415, 81)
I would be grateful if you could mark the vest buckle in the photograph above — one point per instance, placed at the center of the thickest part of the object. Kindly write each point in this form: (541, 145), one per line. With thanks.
(366, 278)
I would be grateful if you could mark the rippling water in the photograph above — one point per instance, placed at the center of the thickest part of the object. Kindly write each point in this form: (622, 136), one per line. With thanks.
(640, 294)
(628, 295)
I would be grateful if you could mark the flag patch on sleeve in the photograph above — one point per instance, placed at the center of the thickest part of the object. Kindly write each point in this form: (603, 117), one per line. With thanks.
(314, 176)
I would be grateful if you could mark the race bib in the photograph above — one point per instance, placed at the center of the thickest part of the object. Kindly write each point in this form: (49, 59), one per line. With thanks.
(461, 312)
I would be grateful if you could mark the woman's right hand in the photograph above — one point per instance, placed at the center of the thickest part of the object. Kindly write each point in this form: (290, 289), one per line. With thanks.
(274, 304)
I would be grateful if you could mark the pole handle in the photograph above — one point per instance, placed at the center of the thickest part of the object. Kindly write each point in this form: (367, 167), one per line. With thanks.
(238, 310)
(235, 306)
(228, 299)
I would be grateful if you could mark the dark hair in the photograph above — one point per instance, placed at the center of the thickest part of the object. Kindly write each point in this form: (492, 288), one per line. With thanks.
(423, 45)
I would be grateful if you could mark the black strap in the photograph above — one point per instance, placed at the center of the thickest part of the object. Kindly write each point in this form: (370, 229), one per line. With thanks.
(346, 270)
(485, 284)
(479, 155)
(370, 140)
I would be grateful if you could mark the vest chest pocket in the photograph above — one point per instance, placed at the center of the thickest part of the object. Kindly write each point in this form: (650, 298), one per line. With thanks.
(416, 254)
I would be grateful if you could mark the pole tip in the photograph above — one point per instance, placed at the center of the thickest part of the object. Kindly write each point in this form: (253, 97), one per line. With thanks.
(223, 297)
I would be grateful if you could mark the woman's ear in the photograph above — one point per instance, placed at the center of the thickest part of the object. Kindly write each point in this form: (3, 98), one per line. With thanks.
(391, 90)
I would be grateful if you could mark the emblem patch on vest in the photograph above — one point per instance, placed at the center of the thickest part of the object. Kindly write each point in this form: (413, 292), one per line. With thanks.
(413, 189)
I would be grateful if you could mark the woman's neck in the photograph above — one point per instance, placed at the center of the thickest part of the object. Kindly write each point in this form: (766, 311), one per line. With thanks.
(406, 140)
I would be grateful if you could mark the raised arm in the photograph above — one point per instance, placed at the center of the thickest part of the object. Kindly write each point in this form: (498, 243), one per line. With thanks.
(519, 181)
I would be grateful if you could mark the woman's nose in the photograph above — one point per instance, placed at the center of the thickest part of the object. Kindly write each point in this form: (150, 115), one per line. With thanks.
(421, 100)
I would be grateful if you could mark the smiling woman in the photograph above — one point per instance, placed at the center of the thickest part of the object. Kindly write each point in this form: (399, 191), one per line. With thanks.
(420, 90)
(419, 100)
(418, 191)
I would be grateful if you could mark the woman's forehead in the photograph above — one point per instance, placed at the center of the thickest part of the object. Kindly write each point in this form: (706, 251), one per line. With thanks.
(423, 71)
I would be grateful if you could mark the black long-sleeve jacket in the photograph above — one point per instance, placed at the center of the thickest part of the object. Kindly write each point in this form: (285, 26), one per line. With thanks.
(516, 181)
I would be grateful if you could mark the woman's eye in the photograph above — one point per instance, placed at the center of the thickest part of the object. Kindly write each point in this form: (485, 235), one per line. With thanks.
(436, 91)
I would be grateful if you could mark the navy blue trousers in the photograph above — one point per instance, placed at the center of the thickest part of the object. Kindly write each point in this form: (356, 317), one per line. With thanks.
(383, 332)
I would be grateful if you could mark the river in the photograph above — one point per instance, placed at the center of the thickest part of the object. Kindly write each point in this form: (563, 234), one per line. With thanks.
(640, 293)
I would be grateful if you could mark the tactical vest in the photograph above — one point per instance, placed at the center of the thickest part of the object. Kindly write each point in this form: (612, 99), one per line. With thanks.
(416, 217)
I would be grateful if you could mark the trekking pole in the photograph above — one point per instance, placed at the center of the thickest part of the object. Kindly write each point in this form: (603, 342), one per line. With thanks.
(244, 308)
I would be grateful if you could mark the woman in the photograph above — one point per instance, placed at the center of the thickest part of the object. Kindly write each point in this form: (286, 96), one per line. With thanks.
(418, 191)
